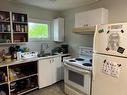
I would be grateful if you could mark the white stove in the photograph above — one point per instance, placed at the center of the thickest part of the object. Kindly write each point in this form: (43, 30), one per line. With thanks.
(84, 59)
(84, 64)
(77, 73)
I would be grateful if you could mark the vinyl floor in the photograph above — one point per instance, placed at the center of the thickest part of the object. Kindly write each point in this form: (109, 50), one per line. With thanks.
(56, 89)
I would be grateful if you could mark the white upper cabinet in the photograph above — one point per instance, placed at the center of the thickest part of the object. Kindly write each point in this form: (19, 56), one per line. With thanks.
(58, 29)
(92, 17)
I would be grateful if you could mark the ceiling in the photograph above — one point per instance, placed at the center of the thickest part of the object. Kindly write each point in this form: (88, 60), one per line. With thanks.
(58, 5)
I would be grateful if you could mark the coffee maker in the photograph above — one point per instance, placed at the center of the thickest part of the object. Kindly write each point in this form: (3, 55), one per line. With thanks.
(65, 48)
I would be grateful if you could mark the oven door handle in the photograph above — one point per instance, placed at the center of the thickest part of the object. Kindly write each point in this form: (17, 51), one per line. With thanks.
(77, 69)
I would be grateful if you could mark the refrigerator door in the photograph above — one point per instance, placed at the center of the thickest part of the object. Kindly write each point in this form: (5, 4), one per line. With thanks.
(111, 39)
(109, 75)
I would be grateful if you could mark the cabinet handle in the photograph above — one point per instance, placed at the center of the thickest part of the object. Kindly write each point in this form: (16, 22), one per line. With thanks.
(104, 60)
(52, 60)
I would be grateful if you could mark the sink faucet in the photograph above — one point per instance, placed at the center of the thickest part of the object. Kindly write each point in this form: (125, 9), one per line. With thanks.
(44, 46)
(42, 49)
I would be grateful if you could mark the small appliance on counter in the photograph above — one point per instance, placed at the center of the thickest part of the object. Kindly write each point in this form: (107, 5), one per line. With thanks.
(7, 58)
(4, 56)
(26, 55)
(12, 50)
(57, 50)
(63, 48)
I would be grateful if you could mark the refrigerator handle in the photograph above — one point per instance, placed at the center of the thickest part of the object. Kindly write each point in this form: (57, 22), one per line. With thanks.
(93, 75)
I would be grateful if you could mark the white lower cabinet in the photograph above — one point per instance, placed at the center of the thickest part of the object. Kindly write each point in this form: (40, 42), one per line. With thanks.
(49, 71)
(56, 69)
(44, 73)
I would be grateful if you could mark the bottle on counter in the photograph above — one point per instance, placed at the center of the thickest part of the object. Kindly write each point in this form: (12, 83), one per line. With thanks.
(3, 54)
(15, 55)
(18, 55)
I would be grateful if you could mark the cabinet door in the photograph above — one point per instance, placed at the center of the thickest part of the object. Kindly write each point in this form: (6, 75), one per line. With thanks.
(59, 29)
(92, 17)
(56, 66)
(45, 73)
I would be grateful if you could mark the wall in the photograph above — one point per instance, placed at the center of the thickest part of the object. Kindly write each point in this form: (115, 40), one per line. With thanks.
(117, 13)
(33, 13)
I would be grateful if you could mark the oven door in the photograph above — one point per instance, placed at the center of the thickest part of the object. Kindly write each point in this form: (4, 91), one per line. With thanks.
(77, 78)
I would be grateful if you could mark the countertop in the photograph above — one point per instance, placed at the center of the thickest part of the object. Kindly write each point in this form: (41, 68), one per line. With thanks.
(15, 62)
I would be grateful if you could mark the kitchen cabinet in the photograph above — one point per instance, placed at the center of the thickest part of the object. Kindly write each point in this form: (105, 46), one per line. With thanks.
(49, 71)
(4, 80)
(5, 27)
(23, 78)
(13, 27)
(19, 27)
(45, 72)
(18, 79)
(58, 29)
(92, 17)
(56, 69)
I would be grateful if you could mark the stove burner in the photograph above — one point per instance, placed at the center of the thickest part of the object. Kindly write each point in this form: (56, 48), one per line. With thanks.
(87, 64)
(79, 59)
(72, 60)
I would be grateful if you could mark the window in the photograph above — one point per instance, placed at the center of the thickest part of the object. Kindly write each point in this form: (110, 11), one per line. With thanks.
(38, 30)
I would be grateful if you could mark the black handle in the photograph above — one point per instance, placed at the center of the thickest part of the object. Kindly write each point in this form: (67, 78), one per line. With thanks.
(119, 65)
(122, 31)
(104, 60)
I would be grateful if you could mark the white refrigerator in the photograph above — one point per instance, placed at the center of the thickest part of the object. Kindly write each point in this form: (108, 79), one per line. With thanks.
(110, 60)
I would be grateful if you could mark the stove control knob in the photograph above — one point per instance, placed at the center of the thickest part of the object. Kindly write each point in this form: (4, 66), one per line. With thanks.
(90, 60)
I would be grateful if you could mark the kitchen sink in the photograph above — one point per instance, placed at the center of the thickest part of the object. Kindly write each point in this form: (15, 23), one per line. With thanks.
(46, 54)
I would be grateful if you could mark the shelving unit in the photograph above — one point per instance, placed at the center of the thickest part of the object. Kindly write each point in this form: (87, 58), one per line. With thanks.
(20, 27)
(18, 79)
(23, 86)
(13, 27)
(5, 27)
(3, 83)
(4, 32)
(24, 77)
(3, 75)
(4, 80)
(21, 93)
(4, 88)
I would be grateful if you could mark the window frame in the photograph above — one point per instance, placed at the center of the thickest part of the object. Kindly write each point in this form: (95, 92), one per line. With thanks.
(42, 22)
